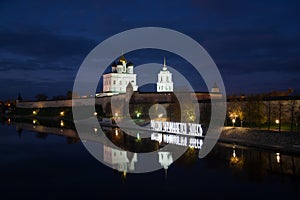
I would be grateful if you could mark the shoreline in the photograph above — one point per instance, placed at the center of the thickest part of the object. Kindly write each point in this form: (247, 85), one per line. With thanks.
(261, 138)
(283, 141)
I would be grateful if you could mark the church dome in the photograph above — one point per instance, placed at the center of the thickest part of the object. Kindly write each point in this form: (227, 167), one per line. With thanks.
(122, 59)
(129, 64)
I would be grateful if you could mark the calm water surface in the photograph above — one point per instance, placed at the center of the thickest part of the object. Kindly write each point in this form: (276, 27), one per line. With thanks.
(40, 165)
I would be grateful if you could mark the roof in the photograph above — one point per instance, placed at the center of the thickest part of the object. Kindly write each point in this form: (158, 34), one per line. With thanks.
(114, 64)
(122, 58)
(129, 64)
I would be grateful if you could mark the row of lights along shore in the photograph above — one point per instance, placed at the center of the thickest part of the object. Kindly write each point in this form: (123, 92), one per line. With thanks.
(277, 121)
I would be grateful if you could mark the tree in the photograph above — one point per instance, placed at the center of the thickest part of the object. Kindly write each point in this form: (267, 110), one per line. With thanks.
(71, 94)
(254, 110)
(292, 105)
(41, 97)
(19, 97)
(235, 110)
(297, 117)
(59, 97)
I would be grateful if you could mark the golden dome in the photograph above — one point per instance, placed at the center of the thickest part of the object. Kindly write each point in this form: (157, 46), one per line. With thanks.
(122, 58)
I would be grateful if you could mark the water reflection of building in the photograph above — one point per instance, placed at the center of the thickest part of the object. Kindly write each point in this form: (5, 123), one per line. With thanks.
(165, 159)
(255, 162)
(122, 161)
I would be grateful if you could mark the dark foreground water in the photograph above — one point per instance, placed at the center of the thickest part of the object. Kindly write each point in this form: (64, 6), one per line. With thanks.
(39, 165)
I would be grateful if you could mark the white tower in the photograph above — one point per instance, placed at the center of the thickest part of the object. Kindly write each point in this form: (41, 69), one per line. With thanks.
(164, 82)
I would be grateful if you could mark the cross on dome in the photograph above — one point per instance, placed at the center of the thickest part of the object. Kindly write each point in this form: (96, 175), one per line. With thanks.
(165, 67)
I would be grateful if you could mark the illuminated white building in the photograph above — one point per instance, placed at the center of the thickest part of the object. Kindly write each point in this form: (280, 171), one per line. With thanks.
(121, 75)
(164, 81)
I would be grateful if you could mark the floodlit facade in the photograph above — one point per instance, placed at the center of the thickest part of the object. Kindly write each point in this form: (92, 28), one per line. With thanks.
(164, 80)
(122, 74)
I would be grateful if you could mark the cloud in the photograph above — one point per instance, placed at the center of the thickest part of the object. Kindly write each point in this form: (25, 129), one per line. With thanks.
(44, 44)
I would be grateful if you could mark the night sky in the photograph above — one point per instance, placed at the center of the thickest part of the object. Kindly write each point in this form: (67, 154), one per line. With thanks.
(255, 44)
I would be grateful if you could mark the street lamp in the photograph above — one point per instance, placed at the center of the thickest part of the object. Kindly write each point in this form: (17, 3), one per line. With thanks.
(277, 121)
(233, 121)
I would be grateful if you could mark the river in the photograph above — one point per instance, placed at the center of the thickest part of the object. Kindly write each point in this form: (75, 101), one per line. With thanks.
(41, 162)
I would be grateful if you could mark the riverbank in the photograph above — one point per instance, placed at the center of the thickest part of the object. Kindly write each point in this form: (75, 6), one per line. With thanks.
(252, 137)
(270, 139)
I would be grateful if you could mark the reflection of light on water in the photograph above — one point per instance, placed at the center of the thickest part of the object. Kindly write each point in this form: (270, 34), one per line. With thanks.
(119, 159)
(62, 123)
(138, 136)
(178, 140)
(234, 159)
(116, 132)
(278, 157)
(34, 121)
(156, 137)
(165, 159)
(233, 153)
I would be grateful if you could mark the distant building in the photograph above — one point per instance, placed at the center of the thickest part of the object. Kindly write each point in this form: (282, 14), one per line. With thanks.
(164, 80)
(215, 88)
(122, 74)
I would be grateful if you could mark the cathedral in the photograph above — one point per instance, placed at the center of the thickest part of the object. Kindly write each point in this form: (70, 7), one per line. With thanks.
(122, 74)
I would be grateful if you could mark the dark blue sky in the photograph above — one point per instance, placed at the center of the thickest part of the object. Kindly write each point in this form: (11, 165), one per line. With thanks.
(255, 44)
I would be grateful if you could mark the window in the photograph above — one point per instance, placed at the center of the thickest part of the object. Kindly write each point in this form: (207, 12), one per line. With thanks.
(114, 82)
(167, 79)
